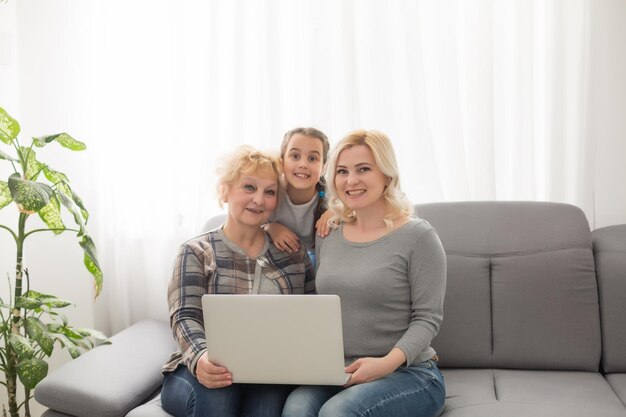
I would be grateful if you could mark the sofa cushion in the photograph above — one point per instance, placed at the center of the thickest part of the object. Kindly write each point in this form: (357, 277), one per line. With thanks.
(545, 311)
(521, 290)
(465, 338)
(512, 393)
(618, 383)
(128, 373)
(610, 256)
(150, 409)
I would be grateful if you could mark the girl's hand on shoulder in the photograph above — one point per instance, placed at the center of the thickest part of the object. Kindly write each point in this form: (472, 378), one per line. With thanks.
(322, 227)
(283, 238)
(211, 375)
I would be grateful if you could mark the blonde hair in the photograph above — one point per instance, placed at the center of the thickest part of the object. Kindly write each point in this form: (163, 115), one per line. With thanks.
(397, 204)
(245, 160)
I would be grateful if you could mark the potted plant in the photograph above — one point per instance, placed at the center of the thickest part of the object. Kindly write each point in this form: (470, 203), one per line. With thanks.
(30, 322)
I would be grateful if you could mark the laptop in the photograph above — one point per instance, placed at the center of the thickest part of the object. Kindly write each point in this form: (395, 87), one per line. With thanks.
(276, 339)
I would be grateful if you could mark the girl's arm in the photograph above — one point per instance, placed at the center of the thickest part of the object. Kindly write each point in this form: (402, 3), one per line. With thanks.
(283, 238)
(322, 226)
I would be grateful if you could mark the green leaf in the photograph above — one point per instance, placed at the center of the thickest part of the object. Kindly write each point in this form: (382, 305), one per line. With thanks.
(38, 331)
(5, 194)
(21, 345)
(64, 140)
(51, 216)
(32, 371)
(28, 303)
(68, 344)
(73, 335)
(80, 204)
(96, 334)
(48, 300)
(91, 261)
(6, 156)
(75, 210)
(33, 166)
(54, 302)
(59, 179)
(9, 127)
(30, 196)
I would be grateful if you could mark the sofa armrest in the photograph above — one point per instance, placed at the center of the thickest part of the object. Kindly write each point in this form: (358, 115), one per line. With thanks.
(609, 249)
(111, 380)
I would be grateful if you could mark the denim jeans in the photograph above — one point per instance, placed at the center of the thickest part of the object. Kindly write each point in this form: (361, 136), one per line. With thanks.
(414, 391)
(183, 396)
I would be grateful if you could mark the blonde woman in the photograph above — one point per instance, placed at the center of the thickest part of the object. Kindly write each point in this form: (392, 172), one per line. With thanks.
(391, 289)
(235, 258)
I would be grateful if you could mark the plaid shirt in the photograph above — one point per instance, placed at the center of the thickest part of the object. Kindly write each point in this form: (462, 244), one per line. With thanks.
(212, 264)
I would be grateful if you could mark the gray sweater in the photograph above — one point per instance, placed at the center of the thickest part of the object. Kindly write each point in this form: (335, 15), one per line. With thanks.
(391, 289)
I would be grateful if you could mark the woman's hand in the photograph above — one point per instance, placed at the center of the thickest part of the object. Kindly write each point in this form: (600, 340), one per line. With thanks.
(322, 227)
(371, 369)
(211, 375)
(283, 238)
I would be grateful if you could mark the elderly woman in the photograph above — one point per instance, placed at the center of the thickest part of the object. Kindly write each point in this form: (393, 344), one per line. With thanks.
(392, 290)
(236, 258)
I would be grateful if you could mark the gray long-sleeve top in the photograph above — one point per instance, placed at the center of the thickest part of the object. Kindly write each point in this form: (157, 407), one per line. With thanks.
(391, 290)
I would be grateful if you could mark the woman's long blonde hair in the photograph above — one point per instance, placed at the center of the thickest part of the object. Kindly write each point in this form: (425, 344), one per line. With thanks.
(397, 204)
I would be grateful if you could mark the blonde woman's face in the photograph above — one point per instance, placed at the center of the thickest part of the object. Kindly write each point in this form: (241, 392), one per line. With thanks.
(358, 180)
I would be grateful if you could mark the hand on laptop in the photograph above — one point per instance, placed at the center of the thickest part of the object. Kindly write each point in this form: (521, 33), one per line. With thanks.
(211, 375)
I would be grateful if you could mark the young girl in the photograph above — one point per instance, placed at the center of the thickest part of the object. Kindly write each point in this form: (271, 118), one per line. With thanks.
(301, 208)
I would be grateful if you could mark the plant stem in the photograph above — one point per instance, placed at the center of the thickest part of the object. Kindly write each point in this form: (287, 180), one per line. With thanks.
(9, 230)
(11, 372)
(65, 229)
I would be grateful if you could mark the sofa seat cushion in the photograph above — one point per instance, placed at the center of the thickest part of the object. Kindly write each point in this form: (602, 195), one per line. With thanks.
(511, 393)
(618, 383)
(150, 409)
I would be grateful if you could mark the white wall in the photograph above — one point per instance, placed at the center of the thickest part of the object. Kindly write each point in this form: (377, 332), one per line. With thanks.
(607, 94)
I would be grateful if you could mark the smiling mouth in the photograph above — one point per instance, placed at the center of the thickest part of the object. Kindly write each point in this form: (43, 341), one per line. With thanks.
(355, 193)
(255, 211)
(301, 176)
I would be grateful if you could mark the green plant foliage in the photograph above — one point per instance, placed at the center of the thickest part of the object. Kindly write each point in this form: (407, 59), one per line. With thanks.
(9, 127)
(30, 323)
(32, 371)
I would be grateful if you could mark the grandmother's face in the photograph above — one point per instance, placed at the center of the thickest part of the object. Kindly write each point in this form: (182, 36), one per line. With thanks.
(252, 199)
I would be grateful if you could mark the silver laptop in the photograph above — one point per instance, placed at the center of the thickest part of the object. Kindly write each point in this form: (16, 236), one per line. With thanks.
(276, 339)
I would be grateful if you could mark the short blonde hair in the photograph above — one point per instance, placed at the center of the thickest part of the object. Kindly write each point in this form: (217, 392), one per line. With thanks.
(245, 160)
(397, 204)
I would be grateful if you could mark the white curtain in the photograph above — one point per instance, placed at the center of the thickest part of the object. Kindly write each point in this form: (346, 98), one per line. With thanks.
(484, 100)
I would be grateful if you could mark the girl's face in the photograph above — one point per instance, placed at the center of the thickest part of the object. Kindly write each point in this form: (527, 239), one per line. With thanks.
(358, 180)
(251, 199)
(302, 162)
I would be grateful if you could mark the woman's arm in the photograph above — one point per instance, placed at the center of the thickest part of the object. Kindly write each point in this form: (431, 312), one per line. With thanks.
(185, 289)
(427, 280)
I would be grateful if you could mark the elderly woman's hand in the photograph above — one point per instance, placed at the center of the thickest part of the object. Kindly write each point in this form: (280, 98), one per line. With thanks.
(211, 375)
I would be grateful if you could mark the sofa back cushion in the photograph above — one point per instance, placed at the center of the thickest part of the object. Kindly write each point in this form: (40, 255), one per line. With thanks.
(521, 290)
(609, 245)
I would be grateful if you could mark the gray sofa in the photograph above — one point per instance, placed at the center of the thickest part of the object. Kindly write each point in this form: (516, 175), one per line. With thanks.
(534, 323)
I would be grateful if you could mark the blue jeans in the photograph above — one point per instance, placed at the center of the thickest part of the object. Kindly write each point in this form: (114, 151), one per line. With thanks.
(414, 391)
(183, 396)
